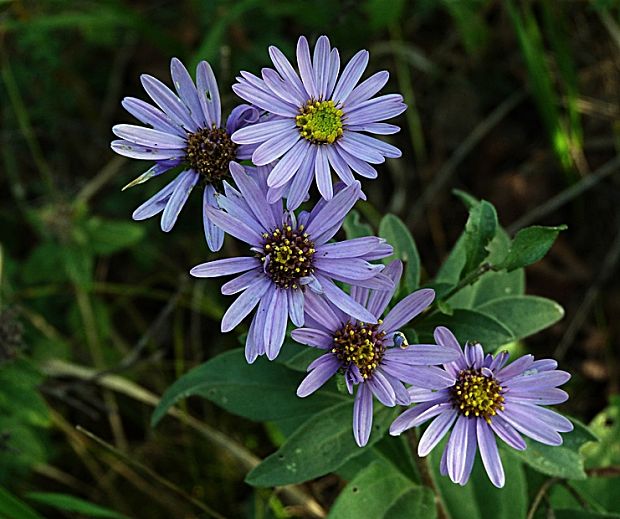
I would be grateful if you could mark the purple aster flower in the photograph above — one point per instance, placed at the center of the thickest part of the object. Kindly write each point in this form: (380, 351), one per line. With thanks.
(371, 354)
(318, 118)
(185, 131)
(487, 399)
(290, 260)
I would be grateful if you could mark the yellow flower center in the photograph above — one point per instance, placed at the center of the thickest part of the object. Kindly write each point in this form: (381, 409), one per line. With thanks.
(320, 122)
(477, 395)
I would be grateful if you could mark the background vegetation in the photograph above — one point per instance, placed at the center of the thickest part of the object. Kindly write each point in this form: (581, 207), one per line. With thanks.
(514, 102)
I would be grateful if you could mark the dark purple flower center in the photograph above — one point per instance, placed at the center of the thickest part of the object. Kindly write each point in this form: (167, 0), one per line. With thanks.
(475, 394)
(320, 122)
(360, 344)
(209, 152)
(287, 255)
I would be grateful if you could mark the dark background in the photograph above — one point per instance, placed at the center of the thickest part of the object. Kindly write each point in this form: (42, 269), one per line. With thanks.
(513, 102)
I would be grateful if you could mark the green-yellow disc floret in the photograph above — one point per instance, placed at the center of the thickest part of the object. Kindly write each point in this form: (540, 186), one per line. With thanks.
(320, 122)
(360, 344)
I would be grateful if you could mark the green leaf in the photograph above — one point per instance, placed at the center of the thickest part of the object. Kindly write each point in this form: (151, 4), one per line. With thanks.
(563, 461)
(354, 228)
(605, 453)
(479, 231)
(73, 504)
(523, 315)
(395, 232)
(479, 499)
(417, 502)
(13, 508)
(529, 246)
(109, 236)
(606, 426)
(450, 270)
(296, 356)
(468, 325)
(261, 391)
(492, 285)
(320, 445)
(374, 491)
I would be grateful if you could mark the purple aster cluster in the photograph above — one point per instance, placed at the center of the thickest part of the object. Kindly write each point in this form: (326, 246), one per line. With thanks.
(365, 351)
(305, 123)
(486, 398)
(290, 259)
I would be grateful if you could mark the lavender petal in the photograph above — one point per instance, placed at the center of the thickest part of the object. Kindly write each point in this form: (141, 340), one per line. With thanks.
(240, 117)
(187, 91)
(244, 304)
(323, 174)
(275, 147)
(213, 234)
(262, 132)
(148, 114)
(368, 88)
(544, 380)
(225, 267)
(362, 415)
(253, 196)
(322, 372)
(156, 203)
(350, 76)
(300, 184)
(345, 302)
(361, 167)
(139, 151)
(208, 94)
(421, 355)
(289, 165)
(382, 389)
(507, 433)
(332, 213)
(179, 196)
(168, 102)
(149, 137)
(407, 309)
(275, 324)
(242, 282)
(435, 432)
(489, 454)
(233, 226)
(305, 68)
(313, 337)
(379, 299)
(296, 306)
(286, 70)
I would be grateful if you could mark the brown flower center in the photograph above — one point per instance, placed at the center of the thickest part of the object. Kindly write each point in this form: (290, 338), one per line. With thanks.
(209, 152)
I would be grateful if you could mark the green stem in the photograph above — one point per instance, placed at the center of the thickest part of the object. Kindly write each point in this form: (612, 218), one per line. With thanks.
(425, 473)
(469, 279)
